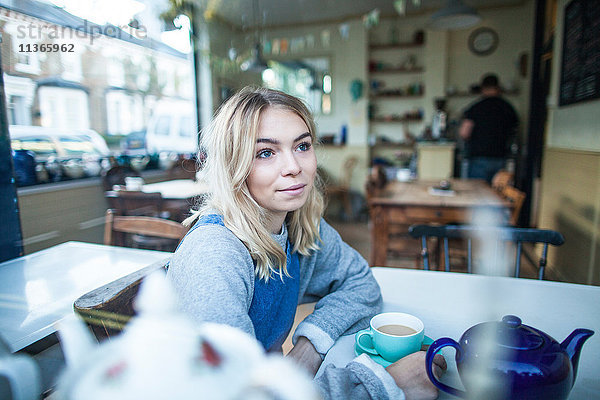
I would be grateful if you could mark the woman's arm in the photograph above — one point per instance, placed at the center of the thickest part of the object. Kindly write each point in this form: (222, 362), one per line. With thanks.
(212, 273)
(347, 295)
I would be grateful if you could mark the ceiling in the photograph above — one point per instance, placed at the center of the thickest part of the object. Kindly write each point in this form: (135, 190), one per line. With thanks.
(273, 13)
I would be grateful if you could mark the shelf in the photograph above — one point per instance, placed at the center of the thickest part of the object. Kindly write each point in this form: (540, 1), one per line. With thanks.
(402, 45)
(397, 96)
(396, 120)
(392, 145)
(398, 70)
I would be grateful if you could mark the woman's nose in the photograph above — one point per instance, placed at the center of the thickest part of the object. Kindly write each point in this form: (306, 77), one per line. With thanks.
(291, 166)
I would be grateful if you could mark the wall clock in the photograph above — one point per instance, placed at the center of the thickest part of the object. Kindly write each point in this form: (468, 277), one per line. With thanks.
(483, 41)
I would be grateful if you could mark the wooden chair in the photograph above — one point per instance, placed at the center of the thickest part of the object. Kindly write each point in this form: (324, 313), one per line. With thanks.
(516, 198)
(494, 238)
(341, 189)
(502, 179)
(108, 308)
(157, 233)
(135, 203)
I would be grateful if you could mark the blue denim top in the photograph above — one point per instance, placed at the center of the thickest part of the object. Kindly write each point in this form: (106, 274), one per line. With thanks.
(274, 302)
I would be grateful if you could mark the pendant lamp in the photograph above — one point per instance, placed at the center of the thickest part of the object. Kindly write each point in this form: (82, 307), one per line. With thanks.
(256, 62)
(456, 15)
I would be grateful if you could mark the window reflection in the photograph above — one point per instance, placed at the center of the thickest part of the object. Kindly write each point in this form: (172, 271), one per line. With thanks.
(305, 78)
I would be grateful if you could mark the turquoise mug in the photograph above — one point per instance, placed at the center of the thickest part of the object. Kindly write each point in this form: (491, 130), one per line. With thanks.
(392, 335)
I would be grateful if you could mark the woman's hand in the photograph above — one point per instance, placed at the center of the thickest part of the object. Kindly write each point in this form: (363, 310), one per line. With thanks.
(305, 355)
(410, 375)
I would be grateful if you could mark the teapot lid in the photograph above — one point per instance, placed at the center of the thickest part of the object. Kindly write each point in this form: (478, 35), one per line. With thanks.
(514, 335)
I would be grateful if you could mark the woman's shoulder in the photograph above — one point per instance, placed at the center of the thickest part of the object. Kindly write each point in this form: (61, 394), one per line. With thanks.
(211, 235)
(327, 232)
(212, 242)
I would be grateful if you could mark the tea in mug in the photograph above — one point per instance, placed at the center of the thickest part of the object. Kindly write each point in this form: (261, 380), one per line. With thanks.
(397, 330)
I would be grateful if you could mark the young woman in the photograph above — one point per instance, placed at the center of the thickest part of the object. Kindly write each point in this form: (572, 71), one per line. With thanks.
(258, 244)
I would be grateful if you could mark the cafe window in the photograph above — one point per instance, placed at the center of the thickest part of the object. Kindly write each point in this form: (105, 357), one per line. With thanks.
(186, 127)
(163, 125)
(63, 108)
(71, 65)
(115, 70)
(306, 78)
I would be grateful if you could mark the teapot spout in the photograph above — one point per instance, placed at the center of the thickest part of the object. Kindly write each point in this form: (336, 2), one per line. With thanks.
(572, 345)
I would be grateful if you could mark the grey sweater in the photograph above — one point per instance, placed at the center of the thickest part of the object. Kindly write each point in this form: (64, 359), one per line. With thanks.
(213, 273)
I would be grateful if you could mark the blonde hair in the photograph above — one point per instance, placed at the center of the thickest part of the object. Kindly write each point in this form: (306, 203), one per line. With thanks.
(229, 145)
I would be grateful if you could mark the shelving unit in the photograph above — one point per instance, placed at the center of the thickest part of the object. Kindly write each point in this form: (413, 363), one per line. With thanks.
(393, 95)
(393, 120)
(399, 45)
(396, 77)
(397, 70)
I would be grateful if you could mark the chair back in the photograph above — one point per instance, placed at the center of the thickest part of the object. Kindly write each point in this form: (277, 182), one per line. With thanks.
(118, 229)
(347, 170)
(129, 202)
(516, 198)
(116, 175)
(502, 179)
(108, 308)
(500, 236)
(376, 181)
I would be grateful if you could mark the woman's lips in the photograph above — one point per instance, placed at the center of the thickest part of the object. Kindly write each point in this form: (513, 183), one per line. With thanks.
(294, 190)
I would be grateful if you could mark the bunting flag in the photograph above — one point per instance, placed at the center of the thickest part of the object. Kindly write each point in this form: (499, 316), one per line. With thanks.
(371, 19)
(325, 37)
(400, 6)
(344, 31)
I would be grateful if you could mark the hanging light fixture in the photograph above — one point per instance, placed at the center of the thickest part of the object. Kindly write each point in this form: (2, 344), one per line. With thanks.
(456, 15)
(256, 62)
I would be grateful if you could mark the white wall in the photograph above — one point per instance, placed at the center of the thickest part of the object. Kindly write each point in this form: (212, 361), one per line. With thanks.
(570, 186)
(514, 26)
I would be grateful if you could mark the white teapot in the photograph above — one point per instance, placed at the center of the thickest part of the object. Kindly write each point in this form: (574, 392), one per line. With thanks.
(20, 376)
(161, 354)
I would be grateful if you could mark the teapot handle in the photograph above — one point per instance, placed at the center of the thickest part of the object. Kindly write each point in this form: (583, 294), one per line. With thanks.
(431, 352)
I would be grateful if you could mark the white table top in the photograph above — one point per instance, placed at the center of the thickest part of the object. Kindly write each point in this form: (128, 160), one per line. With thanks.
(38, 290)
(450, 303)
(177, 189)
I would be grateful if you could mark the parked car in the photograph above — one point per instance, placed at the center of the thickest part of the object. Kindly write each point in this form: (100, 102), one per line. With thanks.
(172, 128)
(59, 153)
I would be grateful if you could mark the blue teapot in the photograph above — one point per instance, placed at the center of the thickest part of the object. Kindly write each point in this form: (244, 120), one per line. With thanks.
(509, 360)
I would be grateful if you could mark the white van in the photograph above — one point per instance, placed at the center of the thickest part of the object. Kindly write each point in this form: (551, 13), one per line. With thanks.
(172, 128)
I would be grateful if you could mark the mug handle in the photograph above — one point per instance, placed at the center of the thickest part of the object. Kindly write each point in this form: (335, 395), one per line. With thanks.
(367, 349)
(433, 349)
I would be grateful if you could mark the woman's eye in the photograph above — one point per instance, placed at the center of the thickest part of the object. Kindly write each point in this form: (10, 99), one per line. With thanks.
(264, 154)
(304, 146)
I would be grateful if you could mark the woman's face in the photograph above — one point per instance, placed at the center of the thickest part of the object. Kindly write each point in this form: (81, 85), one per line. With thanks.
(284, 165)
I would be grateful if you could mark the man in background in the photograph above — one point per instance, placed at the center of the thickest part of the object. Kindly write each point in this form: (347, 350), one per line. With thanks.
(487, 128)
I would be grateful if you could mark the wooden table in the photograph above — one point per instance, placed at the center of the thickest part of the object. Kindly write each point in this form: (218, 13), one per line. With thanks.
(177, 189)
(449, 303)
(407, 203)
(179, 195)
(38, 290)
